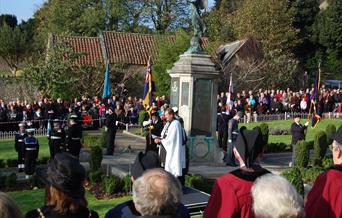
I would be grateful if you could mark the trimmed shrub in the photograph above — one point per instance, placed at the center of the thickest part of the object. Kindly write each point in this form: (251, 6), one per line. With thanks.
(90, 140)
(194, 181)
(111, 184)
(43, 160)
(279, 130)
(12, 163)
(2, 181)
(295, 178)
(330, 129)
(320, 148)
(95, 158)
(2, 164)
(310, 144)
(95, 176)
(277, 147)
(309, 175)
(327, 162)
(127, 184)
(102, 141)
(143, 115)
(302, 154)
(11, 181)
(35, 181)
(265, 132)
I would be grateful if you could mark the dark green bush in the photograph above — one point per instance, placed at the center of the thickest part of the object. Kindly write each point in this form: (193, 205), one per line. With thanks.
(35, 181)
(277, 147)
(294, 176)
(90, 140)
(95, 176)
(43, 160)
(194, 181)
(265, 132)
(127, 184)
(2, 164)
(320, 148)
(95, 158)
(327, 162)
(11, 181)
(2, 181)
(143, 115)
(102, 141)
(111, 184)
(310, 144)
(330, 129)
(302, 154)
(12, 163)
(309, 175)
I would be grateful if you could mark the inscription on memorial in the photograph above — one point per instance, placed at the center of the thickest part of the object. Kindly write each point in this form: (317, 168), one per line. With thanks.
(185, 94)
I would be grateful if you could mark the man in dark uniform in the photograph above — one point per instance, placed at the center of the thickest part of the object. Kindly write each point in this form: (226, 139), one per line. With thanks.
(233, 132)
(74, 136)
(298, 133)
(31, 146)
(154, 128)
(56, 138)
(222, 129)
(19, 146)
(111, 124)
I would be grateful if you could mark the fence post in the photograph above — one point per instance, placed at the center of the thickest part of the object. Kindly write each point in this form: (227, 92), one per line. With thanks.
(285, 116)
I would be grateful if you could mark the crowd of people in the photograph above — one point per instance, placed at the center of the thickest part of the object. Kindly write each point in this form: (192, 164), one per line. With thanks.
(248, 191)
(88, 109)
(280, 101)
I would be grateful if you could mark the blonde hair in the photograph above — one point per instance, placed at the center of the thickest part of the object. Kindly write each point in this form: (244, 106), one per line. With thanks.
(8, 209)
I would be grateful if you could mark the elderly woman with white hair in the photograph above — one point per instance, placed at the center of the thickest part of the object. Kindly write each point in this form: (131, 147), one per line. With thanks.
(275, 197)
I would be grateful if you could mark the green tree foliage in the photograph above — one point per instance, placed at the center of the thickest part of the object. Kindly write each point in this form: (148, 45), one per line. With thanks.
(59, 75)
(95, 158)
(320, 147)
(328, 32)
(8, 19)
(168, 54)
(271, 23)
(265, 132)
(12, 46)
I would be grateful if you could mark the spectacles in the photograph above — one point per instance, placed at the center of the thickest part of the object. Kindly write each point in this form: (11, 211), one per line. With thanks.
(331, 147)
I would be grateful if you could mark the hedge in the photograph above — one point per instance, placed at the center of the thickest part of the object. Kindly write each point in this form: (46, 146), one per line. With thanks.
(320, 148)
(95, 157)
(294, 176)
(302, 154)
(330, 129)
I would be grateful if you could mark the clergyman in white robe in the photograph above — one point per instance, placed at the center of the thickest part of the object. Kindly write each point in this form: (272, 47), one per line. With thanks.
(175, 150)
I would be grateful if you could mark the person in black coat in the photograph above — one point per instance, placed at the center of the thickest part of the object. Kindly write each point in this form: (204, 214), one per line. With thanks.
(19, 146)
(298, 134)
(31, 146)
(154, 128)
(111, 124)
(222, 128)
(56, 138)
(74, 136)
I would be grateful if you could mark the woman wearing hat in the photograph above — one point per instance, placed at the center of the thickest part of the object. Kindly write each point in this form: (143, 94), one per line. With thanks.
(231, 195)
(65, 194)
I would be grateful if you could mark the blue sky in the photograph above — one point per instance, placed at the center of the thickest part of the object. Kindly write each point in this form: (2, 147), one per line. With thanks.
(24, 9)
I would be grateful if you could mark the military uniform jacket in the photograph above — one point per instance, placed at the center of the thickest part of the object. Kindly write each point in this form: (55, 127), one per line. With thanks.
(32, 146)
(74, 134)
(57, 137)
(157, 127)
(233, 130)
(19, 141)
(297, 132)
(111, 121)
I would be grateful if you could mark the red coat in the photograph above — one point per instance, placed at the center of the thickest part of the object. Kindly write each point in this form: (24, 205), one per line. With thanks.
(325, 197)
(231, 195)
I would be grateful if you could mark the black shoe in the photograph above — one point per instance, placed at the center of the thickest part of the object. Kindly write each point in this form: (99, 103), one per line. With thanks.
(107, 153)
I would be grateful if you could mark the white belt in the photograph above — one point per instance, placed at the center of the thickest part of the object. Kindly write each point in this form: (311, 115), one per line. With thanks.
(55, 137)
(20, 140)
(31, 149)
(76, 138)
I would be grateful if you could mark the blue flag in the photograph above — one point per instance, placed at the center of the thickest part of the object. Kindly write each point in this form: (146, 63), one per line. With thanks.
(106, 86)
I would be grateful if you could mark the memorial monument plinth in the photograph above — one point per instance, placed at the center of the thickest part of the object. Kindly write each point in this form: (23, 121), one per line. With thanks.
(194, 92)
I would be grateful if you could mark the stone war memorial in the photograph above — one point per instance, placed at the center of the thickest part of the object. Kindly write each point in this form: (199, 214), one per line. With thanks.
(193, 91)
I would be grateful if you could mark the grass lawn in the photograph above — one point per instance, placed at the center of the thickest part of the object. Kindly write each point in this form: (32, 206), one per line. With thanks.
(30, 199)
(287, 124)
(7, 150)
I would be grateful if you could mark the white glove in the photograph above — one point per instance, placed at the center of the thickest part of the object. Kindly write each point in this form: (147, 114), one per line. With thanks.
(146, 123)
(106, 129)
(306, 124)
